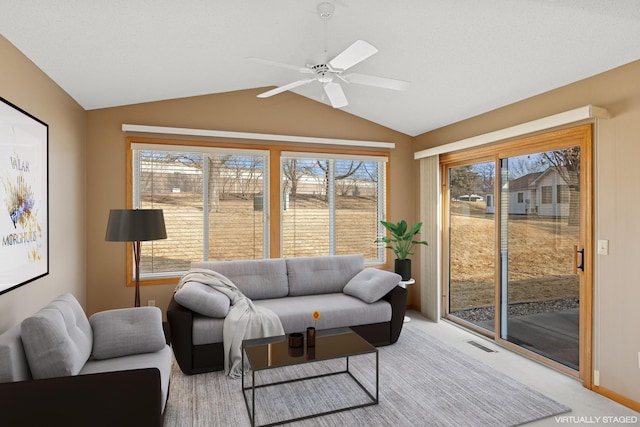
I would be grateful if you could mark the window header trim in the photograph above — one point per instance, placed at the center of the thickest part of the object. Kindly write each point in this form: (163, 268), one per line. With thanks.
(143, 146)
(332, 156)
(256, 136)
(545, 123)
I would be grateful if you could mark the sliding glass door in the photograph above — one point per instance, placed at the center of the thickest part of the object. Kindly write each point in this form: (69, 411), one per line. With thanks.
(540, 231)
(472, 269)
(517, 244)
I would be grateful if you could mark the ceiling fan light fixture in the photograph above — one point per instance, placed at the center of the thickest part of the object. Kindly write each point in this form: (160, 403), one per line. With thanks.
(325, 10)
(323, 73)
(329, 73)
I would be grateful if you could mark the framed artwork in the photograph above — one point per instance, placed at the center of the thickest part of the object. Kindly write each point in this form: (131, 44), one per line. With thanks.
(24, 197)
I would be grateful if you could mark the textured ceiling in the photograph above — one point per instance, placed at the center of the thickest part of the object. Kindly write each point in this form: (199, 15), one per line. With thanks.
(462, 57)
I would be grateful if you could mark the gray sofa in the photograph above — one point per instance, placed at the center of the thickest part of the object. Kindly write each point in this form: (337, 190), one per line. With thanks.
(60, 368)
(339, 287)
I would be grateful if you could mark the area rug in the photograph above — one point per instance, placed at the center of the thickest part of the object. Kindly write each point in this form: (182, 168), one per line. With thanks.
(422, 382)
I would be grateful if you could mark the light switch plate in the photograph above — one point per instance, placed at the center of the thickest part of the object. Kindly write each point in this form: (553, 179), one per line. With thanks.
(603, 247)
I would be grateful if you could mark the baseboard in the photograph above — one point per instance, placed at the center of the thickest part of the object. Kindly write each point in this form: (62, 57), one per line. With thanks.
(623, 400)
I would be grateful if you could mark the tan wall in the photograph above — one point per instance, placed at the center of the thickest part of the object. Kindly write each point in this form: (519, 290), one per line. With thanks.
(24, 85)
(241, 111)
(78, 209)
(617, 175)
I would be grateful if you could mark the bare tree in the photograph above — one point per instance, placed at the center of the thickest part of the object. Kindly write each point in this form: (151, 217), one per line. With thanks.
(215, 164)
(244, 174)
(486, 176)
(292, 174)
(324, 165)
(348, 186)
(523, 165)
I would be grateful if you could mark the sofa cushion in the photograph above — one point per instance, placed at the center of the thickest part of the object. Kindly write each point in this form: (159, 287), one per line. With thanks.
(127, 331)
(372, 284)
(256, 278)
(57, 339)
(336, 311)
(203, 299)
(322, 274)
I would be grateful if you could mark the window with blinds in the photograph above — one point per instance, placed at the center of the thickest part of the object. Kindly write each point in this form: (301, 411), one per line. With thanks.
(547, 195)
(332, 205)
(214, 203)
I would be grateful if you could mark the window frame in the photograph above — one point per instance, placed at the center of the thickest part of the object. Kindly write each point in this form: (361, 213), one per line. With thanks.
(381, 194)
(272, 201)
(546, 195)
(562, 194)
(539, 142)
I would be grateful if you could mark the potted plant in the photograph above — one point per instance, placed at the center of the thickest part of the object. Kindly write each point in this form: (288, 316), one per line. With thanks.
(401, 243)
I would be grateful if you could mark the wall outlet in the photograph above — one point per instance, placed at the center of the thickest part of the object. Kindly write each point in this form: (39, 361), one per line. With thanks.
(596, 377)
(603, 247)
(151, 303)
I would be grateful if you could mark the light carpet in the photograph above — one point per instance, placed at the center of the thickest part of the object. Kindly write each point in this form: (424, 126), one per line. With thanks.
(423, 382)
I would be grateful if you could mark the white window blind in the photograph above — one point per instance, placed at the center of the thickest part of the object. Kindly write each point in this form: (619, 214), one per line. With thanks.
(332, 204)
(214, 203)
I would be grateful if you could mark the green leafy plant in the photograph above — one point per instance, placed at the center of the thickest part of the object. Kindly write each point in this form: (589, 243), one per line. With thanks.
(401, 241)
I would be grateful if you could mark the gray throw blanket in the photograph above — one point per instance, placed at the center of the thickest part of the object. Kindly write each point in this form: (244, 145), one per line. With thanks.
(244, 320)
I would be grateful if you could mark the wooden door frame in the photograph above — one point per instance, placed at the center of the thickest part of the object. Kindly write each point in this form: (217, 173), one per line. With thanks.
(571, 136)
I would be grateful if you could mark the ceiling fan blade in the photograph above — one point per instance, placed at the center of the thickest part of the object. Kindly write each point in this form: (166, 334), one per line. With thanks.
(285, 88)
(336, 95)
(354, 54)
(282, 65)
(364, 79)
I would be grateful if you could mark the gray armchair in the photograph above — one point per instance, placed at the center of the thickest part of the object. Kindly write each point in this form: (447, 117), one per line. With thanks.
(59, 367)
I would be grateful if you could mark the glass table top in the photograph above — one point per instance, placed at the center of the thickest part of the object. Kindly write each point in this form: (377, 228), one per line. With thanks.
(273, 352)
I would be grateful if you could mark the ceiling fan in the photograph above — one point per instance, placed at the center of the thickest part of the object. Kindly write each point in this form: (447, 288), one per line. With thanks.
(331, 73)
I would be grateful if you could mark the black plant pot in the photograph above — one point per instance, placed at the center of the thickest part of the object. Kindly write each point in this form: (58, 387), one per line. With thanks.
(403, 268)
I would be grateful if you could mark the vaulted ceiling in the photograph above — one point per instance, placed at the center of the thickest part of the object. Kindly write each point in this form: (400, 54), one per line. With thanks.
(461, 57)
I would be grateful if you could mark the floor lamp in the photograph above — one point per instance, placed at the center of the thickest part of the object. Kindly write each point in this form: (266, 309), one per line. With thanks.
(136, 225)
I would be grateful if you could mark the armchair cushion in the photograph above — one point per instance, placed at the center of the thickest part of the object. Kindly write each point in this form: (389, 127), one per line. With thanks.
(127, 331)
(372, 284)
(57, 339)
(203, 299)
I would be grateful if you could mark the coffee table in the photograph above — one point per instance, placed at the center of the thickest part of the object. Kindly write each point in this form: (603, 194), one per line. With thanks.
(274, 352)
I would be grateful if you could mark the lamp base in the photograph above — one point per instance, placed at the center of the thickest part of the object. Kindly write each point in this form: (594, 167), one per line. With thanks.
(136, 302)
(136, 257)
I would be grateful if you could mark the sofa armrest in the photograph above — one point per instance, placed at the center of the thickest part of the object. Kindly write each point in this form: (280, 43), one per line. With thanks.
(122, 398)
(397, 297)
(181, 328)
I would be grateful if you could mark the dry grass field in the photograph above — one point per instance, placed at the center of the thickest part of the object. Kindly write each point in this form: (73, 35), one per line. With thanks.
(540, 251)
(540, 258)
(235, 230)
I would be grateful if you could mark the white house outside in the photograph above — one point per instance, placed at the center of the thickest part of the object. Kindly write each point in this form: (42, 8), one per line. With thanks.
(544, 194)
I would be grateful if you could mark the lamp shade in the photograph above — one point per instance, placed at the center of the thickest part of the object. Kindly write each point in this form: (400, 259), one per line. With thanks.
(135, 225)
